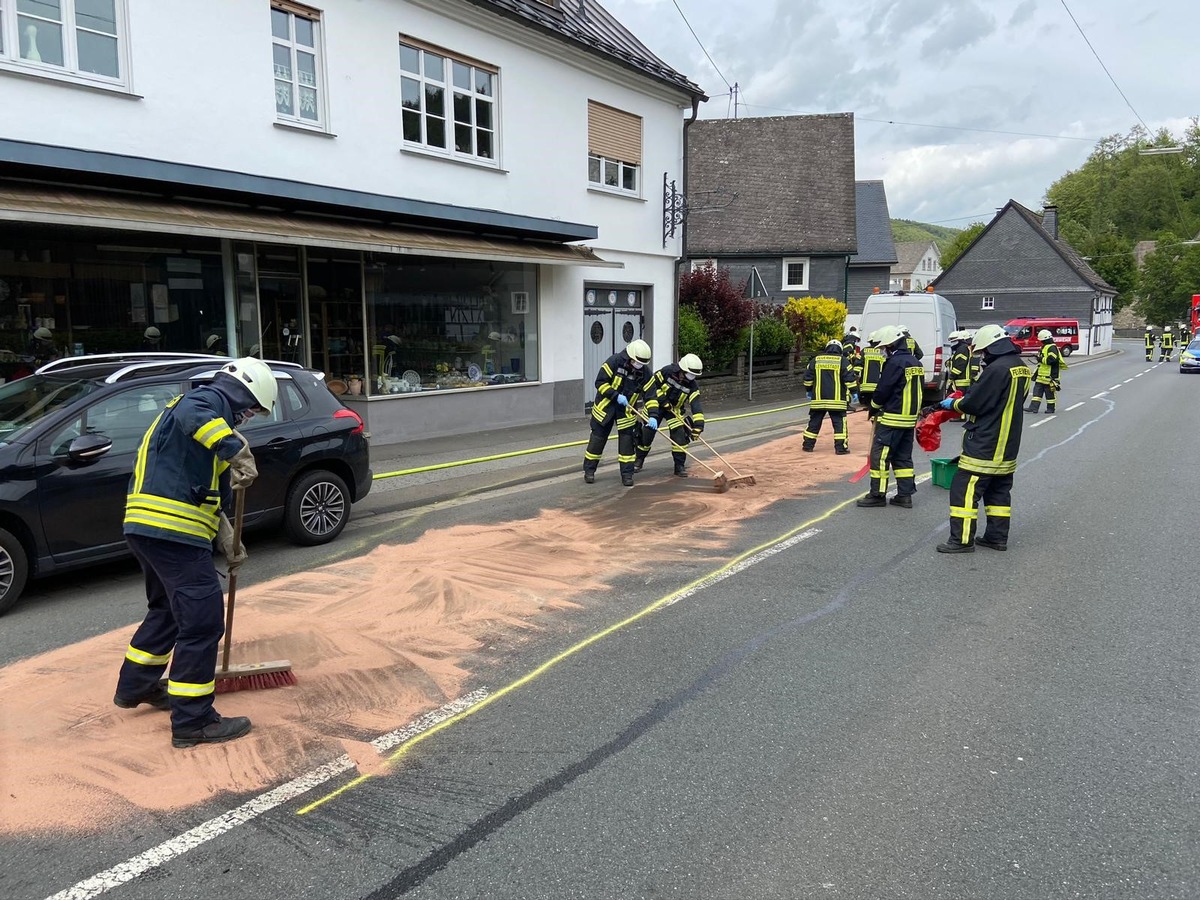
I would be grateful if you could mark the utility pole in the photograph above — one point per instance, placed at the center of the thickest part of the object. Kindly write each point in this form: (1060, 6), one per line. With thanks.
(735, 99)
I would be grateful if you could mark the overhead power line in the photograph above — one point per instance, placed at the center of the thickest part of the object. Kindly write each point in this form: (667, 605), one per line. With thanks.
(701, 43)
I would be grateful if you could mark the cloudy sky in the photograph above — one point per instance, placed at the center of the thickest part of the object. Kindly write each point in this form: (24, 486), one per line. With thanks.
(971, 67)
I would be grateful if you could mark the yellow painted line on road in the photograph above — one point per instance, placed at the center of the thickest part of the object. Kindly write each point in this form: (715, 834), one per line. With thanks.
(571, 651)
(482, 459)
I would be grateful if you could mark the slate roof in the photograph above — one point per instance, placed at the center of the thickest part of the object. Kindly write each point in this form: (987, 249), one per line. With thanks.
(1065, 250)
(873, 226)
(793, 177)
(909, 255)
(587, 24)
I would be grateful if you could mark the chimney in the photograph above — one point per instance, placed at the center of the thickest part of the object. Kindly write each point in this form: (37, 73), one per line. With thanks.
(1050, 220)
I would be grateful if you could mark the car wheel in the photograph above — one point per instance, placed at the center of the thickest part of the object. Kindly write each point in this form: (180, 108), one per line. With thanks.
(1066, 351)
(14, 570)
(318, 507)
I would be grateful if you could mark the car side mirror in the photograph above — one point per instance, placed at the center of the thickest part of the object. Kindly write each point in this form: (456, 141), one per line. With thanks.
(88, 447)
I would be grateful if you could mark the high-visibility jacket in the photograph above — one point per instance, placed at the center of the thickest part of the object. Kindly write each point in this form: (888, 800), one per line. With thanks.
(975, 366)
(829, 378)
(960, 365)
(873, 359)
(914, 348)
(1149, 340)
(669, 391)
(897, 397)
(1168, 342)
(180, 478)
(993, 408)
(1050, 360)
(618, 376)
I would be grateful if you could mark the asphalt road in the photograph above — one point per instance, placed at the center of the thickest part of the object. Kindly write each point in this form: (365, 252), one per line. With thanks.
(848, 714)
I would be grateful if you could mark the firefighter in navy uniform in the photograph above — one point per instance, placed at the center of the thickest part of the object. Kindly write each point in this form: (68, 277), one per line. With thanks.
(960, 362)
(186, 466)
(913, 347)
(1185, 337)
(1045, 381)
(1149, 343)
(673, 400)
(1166, 345)
(619, 385)
(895, 407)
(853, 354)
(828, 380)
(993, 406)
(872, 360)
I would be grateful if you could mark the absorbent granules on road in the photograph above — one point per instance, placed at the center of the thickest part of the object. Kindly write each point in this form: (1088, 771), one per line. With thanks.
(375, 642)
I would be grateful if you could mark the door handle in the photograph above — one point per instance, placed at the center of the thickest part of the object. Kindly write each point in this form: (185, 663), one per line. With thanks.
(278, 443)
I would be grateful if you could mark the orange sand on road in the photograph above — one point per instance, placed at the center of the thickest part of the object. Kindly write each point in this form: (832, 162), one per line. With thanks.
(374, 641)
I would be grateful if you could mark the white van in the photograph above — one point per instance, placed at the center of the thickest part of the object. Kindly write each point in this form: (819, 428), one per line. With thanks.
(930, 319)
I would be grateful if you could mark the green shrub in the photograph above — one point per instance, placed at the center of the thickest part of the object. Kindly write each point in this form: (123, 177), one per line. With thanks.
(816, 320)
(770, 336)
(693, 334)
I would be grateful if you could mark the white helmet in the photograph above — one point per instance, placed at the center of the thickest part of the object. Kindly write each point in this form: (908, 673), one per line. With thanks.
(44, 334)
(691, 364)
(1045, 335)
(888, 335)
(988, 335)
(258, 377)
(639, 350)
(1166, 328)
(834, 345)
(152, 334)
(211, 341)
(1149, 327)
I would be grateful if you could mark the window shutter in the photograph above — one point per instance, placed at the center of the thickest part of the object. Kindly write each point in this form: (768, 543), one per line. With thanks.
(298, 8)
(614, 134)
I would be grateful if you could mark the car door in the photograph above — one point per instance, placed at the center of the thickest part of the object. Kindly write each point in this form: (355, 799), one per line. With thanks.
(83, 503)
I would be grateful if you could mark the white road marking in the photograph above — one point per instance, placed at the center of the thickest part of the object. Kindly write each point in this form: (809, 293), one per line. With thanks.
(1076, 406)
(156, 856)
(744, 564)
(1114, 387)
(1044, 421)
(1099, 395)
(1140, 374)
(1127, 380)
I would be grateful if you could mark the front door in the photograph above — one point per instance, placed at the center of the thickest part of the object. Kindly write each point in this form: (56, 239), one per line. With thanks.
(612, 317)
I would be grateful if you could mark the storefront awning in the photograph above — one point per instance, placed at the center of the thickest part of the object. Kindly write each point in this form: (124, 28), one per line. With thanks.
(96, 210)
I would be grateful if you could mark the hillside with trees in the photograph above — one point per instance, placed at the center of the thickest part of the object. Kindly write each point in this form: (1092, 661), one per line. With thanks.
(908, 230)
(1122, 195)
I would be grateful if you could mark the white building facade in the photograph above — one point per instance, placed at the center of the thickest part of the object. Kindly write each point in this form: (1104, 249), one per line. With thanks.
(451, 207)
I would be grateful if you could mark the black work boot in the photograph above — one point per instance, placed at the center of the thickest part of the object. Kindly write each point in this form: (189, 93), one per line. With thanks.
(842, 450)
(904, 500)
(955, 548)
(807, 448)
(1031, 409)
(639, 462)
(871, 500)
(681, 470)
(589, 476)
(991, 545)
(627, 479)
(212, 733)
(157, 697)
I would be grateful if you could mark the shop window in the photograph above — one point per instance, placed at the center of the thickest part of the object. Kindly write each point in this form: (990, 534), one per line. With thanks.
(448, 102)
(441, 324)
(335, 316)
(298, 64)
(614, 149)
(78, 40)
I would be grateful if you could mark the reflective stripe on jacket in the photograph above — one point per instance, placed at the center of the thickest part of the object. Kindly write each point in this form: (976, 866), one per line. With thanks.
(669, 391)
(897, 397)
(873, 359)
(960, 365)
(1050, 360)
(829, 376)
(993, 408)
(617, 376)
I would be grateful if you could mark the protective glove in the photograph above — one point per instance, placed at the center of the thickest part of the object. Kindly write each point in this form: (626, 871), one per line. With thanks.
(652, 423)
(808, 394)
(1057, 385)
(242, 469)
(855, 398)
(948, 403)
(622, 400)
(234, 556)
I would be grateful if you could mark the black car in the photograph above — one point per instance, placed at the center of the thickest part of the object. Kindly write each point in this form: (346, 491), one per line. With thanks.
(70, 431)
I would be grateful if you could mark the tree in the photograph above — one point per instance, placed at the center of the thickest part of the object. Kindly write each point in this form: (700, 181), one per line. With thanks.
(816, 320)
(722, 308)
(1169, 277)
(960, 242)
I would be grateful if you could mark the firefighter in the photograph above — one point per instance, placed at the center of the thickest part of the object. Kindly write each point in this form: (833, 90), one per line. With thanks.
(871, 364)
(151, 340)
(1185, 336)
(673, 399)
(1149, 343)
(913, 347)
(853, 354)
(186, 466)
(619, 385)
(828, 381)
(895, 406)
(960, 361)
(1166, 345)
(993, 407)
(1045, 382)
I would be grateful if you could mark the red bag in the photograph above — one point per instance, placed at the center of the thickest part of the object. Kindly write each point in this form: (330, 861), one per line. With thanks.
(929, 426)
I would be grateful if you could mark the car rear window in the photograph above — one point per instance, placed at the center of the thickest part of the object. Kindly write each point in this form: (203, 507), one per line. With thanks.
(26, 401)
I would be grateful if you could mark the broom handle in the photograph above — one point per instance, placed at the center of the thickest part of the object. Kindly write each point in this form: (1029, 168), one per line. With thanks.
(239, 514)
(723, 460)
(642, 416)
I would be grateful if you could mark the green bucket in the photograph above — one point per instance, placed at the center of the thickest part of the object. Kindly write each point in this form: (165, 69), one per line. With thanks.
(943, 471)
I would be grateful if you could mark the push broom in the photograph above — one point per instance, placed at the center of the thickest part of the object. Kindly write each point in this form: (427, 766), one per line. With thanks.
(246, 676)
(720, 482)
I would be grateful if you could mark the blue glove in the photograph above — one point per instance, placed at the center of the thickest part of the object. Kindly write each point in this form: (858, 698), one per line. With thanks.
(622, 400)
(808, 394)
(856, 398)
(948, 403)
(652, 423)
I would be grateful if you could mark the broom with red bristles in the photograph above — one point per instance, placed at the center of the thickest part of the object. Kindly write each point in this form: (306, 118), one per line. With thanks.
(247, 676)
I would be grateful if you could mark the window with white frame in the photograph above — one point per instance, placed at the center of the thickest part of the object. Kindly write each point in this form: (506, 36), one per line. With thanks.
(85, 40)
(698, 264)
(448, 102)
(614, 149)
(298, 63)
(989, 303)
(795, 274)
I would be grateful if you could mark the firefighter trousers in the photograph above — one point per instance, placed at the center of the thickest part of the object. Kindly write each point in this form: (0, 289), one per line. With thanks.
(626, 442)
(1040, 390)
(837, 420)
(1149, 353)
(680, 436)
(892, 448)
(1165, 354)
(183, 625)
(967, 489)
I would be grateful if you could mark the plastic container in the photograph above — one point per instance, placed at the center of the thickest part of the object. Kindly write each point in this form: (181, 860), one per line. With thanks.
(944, 471)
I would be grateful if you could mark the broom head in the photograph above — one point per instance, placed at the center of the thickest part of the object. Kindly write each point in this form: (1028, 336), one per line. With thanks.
(255, 676)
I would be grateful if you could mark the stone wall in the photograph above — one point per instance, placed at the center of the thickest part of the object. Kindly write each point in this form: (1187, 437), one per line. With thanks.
(786, 382)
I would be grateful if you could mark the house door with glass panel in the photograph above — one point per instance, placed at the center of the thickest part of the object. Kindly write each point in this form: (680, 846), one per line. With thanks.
(612, 317)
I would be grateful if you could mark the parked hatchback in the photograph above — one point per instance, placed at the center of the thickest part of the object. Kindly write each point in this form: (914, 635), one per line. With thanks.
(69, 434)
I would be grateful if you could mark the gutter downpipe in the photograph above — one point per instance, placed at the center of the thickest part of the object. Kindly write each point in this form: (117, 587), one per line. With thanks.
(683, 239)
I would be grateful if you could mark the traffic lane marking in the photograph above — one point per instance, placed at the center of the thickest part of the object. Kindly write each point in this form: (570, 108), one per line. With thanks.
(1099, 395)
(1114, 387)
(1049, 418)
(1076, 406)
